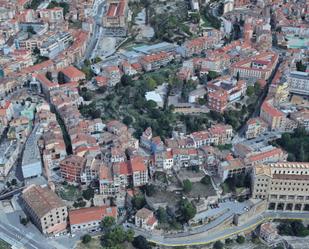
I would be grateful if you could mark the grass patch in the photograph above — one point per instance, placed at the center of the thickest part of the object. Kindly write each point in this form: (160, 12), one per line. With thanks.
(4, 245)
(69, 193)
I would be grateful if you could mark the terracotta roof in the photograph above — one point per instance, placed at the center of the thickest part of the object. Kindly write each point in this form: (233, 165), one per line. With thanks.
(86, 215)
(41, 200)
(144, 213)
(72, 72)
(137, 164)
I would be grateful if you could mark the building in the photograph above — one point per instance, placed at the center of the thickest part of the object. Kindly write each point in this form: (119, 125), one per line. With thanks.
(256, 67)
(55, 44)
(72, 74)
(45, 209)
(89, 219)
(302, 118)
(145, 219)
(230, 167)
(284, 185)
(31, 162)
(274, 118)
(71, 168)
(255, 127)
(299, 82)
(218, 100)
(155, 61)
(115, 20)
(268, 233)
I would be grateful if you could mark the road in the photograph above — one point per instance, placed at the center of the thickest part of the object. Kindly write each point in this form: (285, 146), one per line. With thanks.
(96, 31)
(206, 237)
(261, 98)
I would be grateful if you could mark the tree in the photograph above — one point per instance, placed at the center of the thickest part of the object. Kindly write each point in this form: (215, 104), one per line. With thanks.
(150, 189)
(128, 120)
(107, 223)
(130, 235)
(36, 50)
(161, 215)
(187, 185)
(250, 91)
(218, 245)
(86, 239)
(60, 78)
(88, 194)
(13, 182)
(187, 210)
(140, 242)
(24, 221)
(212, 75)
(126, 80)
(228, 241)
(240, 239)
(49, 76)
(206, 180)
(138, 201)
(300, 66)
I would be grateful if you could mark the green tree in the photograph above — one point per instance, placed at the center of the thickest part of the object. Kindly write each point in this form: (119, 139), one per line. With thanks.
(127, 120)
(187, 185)
(162, 215)
(218, 245)
(206, 180)
(138, 201)
(107, 223)
(187, 210)
(228, 241)
(126, 80)
(140, 242)
(240, 239)
(86, 239)
(88, 194)
(250, 91)
(300, 66)
(13, 182)
(150, 189)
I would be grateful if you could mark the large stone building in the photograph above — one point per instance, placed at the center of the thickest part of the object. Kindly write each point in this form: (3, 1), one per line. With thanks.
(284, 185)
(45, 209)
(299, 82)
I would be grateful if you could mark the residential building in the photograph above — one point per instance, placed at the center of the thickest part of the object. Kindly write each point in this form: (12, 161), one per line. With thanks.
(268, 154)
(274, 118)
(230, 167)
(71, 168)
(46, 210)
(268, 232)
(89, 219)
(302, 118)
(255, 127)
(155, 61)
(284, 185)
(299, 82)
(145, 219)
(256, 67)
(218, 100)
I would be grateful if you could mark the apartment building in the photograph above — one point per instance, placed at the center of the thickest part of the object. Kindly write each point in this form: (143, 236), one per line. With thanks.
(155, 61)
(71, 168)
(299, 82)
(274, 118)
(218, 100)
(267, 154)
(72, 74)
(256, 67)
(255, 127)
(51, 15)
(45, 209)
(55, 44)
(284, 185)
(302, 118)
